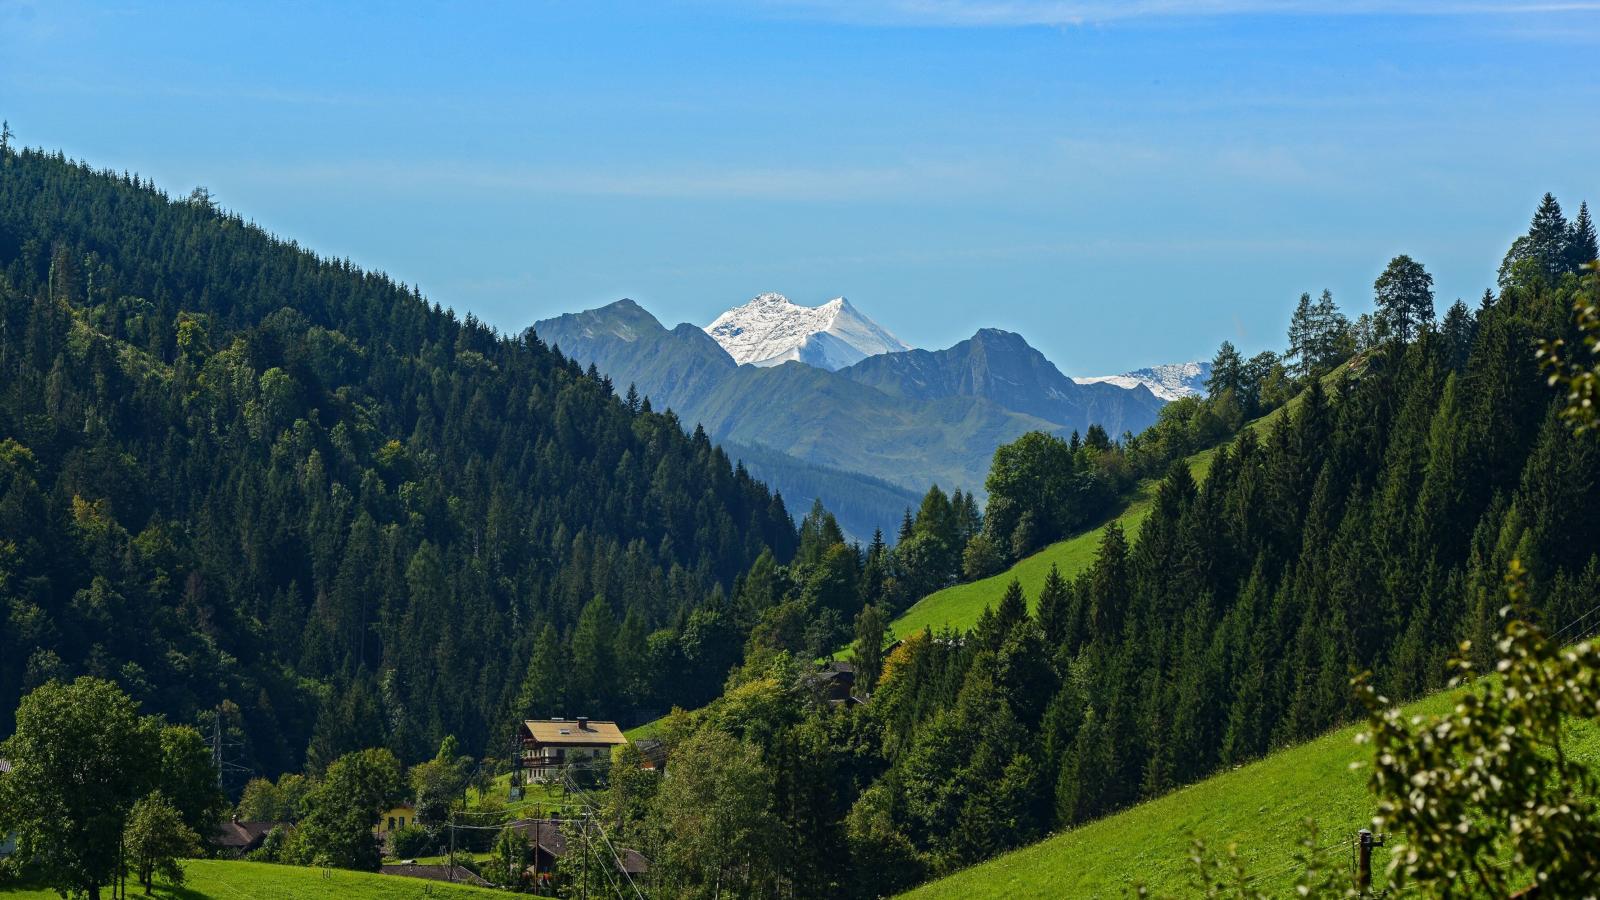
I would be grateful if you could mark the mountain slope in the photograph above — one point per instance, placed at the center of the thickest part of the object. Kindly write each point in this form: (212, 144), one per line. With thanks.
(1261, 807)
(771, 330)
(910, 419)
(859, 502)
(804, 428)
(999, 366)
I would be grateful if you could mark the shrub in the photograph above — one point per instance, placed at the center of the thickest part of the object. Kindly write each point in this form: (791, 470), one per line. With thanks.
(410, 841)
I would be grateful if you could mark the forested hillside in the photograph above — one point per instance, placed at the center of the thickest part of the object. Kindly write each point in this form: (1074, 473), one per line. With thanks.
(1369, 528)
(238, 476)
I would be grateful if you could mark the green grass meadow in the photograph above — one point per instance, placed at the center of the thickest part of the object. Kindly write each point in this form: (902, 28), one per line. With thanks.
(1260, 808)
(213, 879)
(960, 605)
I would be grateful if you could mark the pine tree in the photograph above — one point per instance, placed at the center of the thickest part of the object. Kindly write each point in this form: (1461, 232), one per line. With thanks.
(1549, 237)
(1053, 608)
(594, 657)
(1330, 331)
(1109, 590)
(871, 627)
(1458, 329)
(544, 686)
(1581, 240)
(1227, 371)
(1545, 251)
(1316, 330)
(1012, 611)
(1302, 339)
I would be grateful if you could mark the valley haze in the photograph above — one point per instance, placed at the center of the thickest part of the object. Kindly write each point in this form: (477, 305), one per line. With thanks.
(830, 393)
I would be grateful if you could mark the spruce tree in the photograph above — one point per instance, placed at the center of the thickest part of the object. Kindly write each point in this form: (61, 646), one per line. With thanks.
(1109, 589)
(1053, 611)
(871, 627)
(1227, 371)
(1549, 238)
(1329, 331)
(1581, 240)
(1013, 608)
(1302, 339)
(1458, 330)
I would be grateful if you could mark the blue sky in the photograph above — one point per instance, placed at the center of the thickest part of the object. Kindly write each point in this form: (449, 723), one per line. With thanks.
(1123, 183)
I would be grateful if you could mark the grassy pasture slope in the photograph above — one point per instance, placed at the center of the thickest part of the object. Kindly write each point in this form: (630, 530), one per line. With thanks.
(214, 879)
(1260, 807)
(960, 605)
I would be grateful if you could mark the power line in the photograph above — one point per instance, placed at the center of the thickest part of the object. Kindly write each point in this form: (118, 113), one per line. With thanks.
(1574, 622)
(621, 866)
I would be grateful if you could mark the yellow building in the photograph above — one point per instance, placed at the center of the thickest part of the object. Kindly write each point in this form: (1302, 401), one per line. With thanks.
(395, 819)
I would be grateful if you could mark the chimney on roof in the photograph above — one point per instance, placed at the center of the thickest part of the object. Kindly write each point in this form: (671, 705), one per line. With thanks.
(583, 723)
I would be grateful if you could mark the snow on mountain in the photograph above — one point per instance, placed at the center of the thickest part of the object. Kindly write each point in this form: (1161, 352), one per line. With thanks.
(1172, 381)
(771, 329)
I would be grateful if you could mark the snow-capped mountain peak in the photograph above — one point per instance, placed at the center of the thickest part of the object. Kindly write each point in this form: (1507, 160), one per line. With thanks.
(772, 329)
(1172, 381)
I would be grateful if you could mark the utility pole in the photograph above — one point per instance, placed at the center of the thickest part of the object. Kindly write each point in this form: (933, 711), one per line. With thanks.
(450, 823)
(1364, 844)
(216, 744)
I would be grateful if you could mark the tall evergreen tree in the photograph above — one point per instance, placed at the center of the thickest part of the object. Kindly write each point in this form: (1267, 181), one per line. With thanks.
(1302, 339)
(1227, 371)
(1549, 238)
(594, 657)
(1582, 245)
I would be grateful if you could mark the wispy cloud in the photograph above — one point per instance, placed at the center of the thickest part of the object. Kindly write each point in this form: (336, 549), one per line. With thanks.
(788, 183)
(1065, 168)
(1000, 13)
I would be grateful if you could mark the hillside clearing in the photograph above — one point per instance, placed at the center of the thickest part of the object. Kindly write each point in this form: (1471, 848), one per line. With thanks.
(1260, 807)
(960, 605)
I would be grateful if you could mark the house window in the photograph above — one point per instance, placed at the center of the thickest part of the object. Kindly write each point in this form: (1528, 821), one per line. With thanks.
(402, 821)
(391, 823)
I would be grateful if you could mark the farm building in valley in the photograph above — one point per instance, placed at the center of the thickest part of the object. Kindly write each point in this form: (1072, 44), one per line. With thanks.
(545, 746)
(551, 839)
(434, 872)
(234, 838)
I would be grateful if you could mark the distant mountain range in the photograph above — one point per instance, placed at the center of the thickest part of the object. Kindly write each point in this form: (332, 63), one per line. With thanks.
(1173, 381)
(868, 437)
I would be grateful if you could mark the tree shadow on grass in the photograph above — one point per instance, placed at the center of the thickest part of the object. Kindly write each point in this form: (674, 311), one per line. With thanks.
(162, 891)
(166, 891)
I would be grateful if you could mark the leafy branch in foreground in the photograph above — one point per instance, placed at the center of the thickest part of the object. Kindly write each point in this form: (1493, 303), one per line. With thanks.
(1487, 793)
(1582, 382)
(1481, 801)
